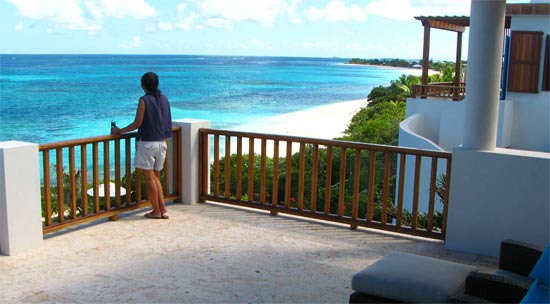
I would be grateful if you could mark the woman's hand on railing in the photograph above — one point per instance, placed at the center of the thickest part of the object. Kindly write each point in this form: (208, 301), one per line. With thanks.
(115, 130)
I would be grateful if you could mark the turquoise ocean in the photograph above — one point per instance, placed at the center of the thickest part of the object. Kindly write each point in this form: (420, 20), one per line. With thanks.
(48, 98)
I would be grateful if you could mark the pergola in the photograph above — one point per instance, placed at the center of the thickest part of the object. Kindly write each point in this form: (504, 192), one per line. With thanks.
(457, 24)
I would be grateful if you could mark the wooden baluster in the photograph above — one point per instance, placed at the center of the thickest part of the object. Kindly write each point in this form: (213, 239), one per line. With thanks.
(250, 169)
(417, 169)
(106, 175)
(275, 194)
(227, 167)
(314, 178)
(356, 188)
(263, 172)
(128, 167)
(117, 173)
(72, 182)
(386, 190)
(239, 190)
(328, 184)
(301, 176)
(84, 178)
(138, 186)
(402, 162)
(95, 156)
(216, 165)
(372, 175)
(288, 173)
(47, 189)
(342, 182)
(431, 204)
(60, 182)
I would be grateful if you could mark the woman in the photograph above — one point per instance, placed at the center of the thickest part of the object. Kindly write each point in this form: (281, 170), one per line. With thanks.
(154, 123)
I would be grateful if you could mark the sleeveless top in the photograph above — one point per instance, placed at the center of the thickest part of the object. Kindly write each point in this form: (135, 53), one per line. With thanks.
(157, 121)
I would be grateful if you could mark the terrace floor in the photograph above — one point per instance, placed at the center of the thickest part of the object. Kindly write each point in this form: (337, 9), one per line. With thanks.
(205, 253)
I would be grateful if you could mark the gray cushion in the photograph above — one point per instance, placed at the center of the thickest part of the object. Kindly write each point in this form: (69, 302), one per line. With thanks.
(412, 278)
(513, 276)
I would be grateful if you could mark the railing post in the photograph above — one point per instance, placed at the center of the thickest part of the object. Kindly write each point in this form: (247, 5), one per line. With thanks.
(190, 158)
(20, 210)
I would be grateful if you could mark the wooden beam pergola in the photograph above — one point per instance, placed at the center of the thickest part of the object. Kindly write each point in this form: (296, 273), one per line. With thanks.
(459, 24)
(456, 24)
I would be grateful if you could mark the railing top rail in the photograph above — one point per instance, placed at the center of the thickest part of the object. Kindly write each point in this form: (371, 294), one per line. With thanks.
(330, 142)
(88, 140)
(439, 86)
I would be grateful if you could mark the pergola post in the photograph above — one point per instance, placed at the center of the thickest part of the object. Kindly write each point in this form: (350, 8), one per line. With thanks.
(458, 66)
(425, 58)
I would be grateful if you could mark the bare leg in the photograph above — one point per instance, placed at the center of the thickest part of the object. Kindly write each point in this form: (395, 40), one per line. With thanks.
(152, 191)
(162, 206)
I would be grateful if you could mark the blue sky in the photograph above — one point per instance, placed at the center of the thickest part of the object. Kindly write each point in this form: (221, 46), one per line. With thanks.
(311, 28)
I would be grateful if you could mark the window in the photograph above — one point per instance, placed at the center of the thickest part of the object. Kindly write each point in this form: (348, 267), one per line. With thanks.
(524, 63)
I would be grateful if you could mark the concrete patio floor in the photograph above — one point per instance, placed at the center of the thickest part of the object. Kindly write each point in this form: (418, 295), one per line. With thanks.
(205, 253)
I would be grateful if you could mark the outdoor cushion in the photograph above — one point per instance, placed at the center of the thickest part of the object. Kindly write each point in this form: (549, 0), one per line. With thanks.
(411, 278)
(541, 271)
(514, 276)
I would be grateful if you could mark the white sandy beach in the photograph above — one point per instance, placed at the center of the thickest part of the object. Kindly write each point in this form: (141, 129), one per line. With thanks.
(326, 122)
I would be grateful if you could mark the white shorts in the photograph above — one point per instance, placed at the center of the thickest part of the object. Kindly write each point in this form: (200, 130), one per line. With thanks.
(150, 155)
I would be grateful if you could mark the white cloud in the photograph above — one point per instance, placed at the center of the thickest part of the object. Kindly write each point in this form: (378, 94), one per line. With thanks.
(165, 26)
(265, 11)
(220, 22)
(408, 9)
(335, 11)
(188, 22)
(132, 44)
(71, 14)
(66, 13)
(19, 26)
(137, 9)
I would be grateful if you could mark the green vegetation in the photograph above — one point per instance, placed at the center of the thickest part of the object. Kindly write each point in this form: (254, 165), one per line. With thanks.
(387, 62)
(377, 123)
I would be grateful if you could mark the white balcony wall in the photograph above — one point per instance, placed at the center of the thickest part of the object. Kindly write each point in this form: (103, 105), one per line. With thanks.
(443, 122)
(409, 131)
(498, 195)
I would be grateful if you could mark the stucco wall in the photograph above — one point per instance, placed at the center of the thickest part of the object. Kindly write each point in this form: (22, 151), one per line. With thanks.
(409, 131)
(497, 195)
(443, 121)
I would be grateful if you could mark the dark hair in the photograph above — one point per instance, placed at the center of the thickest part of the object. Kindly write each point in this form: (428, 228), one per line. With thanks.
(150, 82)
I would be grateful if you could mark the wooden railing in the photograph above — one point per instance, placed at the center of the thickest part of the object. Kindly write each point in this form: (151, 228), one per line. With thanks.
(353, 183)
(440, 90)
(74, 171)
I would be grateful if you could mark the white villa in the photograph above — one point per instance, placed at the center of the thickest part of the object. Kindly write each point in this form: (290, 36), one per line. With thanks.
(500, 133)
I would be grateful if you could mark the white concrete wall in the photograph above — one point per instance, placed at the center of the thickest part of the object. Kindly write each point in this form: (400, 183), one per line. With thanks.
(443, 121)
(409, 131)
(497, 195)
(505, 123)
(190, 158)
(531, 122)
(20, 209)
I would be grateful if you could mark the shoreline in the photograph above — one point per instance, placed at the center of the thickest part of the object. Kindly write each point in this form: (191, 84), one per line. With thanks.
(324, 122)
(418, 72)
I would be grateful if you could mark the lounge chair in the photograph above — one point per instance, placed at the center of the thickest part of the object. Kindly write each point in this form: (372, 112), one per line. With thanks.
(510, 282)
(403, 277)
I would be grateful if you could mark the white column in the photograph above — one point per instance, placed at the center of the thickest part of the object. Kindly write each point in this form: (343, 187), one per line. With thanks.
(484, 71)
(190, 158)
(20, 208)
